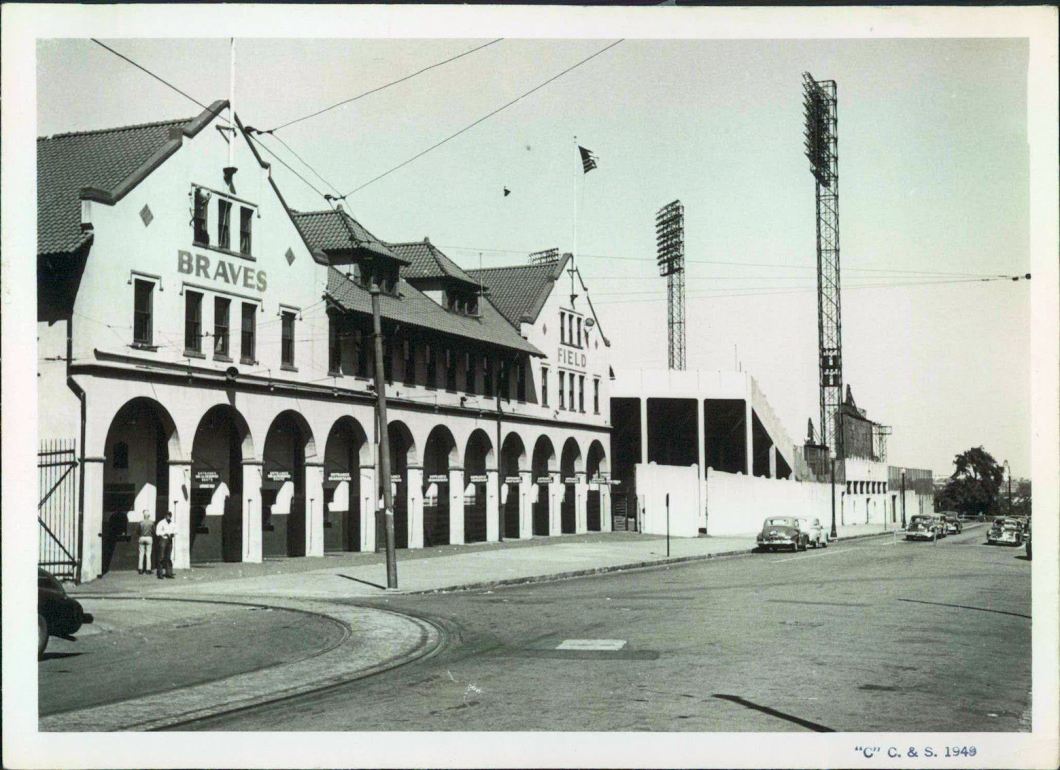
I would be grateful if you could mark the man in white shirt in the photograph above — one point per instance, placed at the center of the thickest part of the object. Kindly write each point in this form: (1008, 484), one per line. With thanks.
(165, 531)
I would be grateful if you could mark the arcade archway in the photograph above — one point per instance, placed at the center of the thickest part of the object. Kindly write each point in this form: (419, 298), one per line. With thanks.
(596, 472)
(345, 451)
(570, 464)
(513, 460)
(477, 458)
(402, 453)
(439, 455)
(222, 442)
(283, 491)
(542, 467)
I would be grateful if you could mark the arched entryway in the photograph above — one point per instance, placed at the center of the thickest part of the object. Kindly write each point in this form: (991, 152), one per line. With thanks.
(513, 459)
(141, 441)
(288, 444)
(477, 458)
(570, 464)
(402, 453)
(222, 442)
(439, 454)
(542, 467)
(345, 451)
(596, 472)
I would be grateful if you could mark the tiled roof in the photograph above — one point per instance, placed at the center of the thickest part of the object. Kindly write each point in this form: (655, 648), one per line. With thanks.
(520, 291)
(427, 261)
(417, 309)
(66, 163)
(326, 231)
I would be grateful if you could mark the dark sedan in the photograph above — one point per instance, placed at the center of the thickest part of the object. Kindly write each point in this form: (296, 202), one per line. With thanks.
(783, 532)
(57, 613)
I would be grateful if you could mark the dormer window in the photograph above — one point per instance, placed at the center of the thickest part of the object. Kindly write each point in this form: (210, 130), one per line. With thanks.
(461, 303)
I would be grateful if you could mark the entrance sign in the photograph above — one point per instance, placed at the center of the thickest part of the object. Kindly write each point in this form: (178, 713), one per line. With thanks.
(570, 480)
(438, 478)
(278, 476)
(544, 480)
(567, 357)
(478, 479)
(207, 479)
(339, 476)
(511, 479)
(232, 273)
(395, 478)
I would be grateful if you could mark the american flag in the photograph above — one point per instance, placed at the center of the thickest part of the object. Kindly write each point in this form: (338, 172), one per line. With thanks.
(588, 159)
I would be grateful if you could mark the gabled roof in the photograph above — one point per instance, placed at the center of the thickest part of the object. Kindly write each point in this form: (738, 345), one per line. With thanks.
(336, 231)
(427, 261)
(417, 309)
(520, 291)
(101, 165)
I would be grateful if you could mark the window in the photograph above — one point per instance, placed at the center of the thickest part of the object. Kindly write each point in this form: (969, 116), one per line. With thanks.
(200, 235)
(334, 350)
(287, 338)
(246, 216)
(578, 338)
(142, 310)
(562, 327)
(360, 342)
(562, 402)
(487, 376)
(410, 362)
(432, 368)
(192, 322)
(596, 395)
(246, 342)
(544, 386)
(570, 330)
(469, 373)
(570, 391)
(520, 381)
(504, 380)
(221, 308)
(450, 370)
(224, 218)
(581, 393)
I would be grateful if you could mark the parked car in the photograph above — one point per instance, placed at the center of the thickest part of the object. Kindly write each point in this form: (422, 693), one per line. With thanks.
(1005, 531)
(782, 532)
(953, 524)
(815, 533)
(57, 613)
(924, 526)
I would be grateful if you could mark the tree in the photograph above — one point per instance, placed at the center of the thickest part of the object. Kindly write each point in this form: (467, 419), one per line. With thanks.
(973, 487)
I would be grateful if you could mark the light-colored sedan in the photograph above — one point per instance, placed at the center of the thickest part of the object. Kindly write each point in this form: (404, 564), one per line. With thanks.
(818, 538)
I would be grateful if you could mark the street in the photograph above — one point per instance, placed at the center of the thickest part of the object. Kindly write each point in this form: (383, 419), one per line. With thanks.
(870, 635)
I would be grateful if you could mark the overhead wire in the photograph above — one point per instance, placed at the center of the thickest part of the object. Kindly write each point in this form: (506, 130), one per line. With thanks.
(485, 117)
(383, 87)
(144, 69)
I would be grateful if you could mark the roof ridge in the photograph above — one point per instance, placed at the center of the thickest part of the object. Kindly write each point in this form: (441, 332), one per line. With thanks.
(114, 129)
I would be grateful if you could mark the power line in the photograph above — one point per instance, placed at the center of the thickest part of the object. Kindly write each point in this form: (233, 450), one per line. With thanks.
(286, 165)
(303, 161)
(383, 87)
(779, 265)
(485, 117)
(142, 68)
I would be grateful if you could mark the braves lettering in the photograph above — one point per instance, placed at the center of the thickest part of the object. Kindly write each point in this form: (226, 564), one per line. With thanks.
(223, 270)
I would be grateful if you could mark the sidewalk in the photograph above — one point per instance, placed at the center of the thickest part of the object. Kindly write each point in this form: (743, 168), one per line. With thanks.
(443, 568)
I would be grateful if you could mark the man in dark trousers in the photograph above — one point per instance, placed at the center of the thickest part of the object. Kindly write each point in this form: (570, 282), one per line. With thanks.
(166, 531)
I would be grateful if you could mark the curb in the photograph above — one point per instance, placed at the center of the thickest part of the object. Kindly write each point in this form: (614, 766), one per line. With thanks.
(318, 671)
(589, 572)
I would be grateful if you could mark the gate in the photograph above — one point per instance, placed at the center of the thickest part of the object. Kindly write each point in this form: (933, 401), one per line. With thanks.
(567, 511)
(475, 515)
(58, 546)
(592, 511)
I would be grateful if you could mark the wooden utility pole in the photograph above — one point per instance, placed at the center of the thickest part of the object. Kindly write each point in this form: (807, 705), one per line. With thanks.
(384, 444)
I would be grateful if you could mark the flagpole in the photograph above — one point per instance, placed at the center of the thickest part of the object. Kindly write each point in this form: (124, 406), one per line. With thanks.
(574, 252)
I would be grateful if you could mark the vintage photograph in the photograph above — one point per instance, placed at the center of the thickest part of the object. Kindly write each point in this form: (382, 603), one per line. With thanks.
(495, 383)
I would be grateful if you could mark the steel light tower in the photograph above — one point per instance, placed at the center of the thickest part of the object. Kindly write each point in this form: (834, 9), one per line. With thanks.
(819, 100)
(670, 245)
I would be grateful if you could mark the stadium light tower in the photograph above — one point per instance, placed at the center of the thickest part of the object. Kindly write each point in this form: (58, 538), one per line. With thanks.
(819, 101)
(670, 244)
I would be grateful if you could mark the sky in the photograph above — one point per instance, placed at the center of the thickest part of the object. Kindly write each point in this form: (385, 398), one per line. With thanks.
(933, 189)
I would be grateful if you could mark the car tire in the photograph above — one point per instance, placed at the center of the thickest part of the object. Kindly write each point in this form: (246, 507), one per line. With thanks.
(42, 636)
(795, 547)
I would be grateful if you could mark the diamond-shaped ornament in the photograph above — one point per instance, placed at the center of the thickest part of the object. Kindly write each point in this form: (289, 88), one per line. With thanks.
(146, 215)
(290, 257)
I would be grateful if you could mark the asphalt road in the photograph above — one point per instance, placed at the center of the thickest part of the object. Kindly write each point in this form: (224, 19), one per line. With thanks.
(871, 635)
(140, 648)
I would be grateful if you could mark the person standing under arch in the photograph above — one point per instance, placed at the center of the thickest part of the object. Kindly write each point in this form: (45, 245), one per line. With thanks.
(146, 541)
(166, 530)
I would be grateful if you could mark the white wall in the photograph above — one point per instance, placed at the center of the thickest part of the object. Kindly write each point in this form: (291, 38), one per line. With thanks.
(654, 482)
